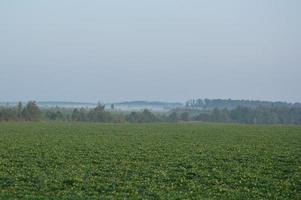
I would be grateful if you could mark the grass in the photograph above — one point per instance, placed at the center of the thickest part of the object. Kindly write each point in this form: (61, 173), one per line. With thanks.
(149, 161)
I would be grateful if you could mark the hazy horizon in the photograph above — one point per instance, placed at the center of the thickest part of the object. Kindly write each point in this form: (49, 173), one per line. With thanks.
(173, 50)
(137, 100)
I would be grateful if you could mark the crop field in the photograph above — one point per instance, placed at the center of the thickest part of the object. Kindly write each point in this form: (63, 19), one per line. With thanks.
(149, 161)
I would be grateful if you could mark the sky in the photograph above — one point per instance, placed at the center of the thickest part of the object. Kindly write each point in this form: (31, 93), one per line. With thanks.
(170, 50)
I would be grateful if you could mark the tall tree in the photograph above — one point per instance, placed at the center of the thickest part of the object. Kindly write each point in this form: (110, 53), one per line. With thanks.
(31, 112)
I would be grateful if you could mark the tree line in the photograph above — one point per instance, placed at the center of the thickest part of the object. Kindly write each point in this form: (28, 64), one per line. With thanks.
(232, 104)
(29, 112)
(240, 114)
(258, 115)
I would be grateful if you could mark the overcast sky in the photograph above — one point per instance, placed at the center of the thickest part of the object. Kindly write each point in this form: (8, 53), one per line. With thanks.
(167, 50)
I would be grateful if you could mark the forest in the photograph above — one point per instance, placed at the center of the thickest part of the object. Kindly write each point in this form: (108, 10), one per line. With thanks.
(262, 114)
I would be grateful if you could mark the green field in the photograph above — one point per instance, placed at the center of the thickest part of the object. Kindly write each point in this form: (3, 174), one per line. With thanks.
(149, 161)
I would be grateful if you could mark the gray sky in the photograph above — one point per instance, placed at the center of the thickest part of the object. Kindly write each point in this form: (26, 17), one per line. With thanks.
(170, 50)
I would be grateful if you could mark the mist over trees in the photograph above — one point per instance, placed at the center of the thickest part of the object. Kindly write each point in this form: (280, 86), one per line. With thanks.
(271, 113)
(29, 112)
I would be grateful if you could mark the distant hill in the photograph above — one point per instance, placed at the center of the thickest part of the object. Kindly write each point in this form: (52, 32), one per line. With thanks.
(151, 105)
(65, 104)
(196, 104)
